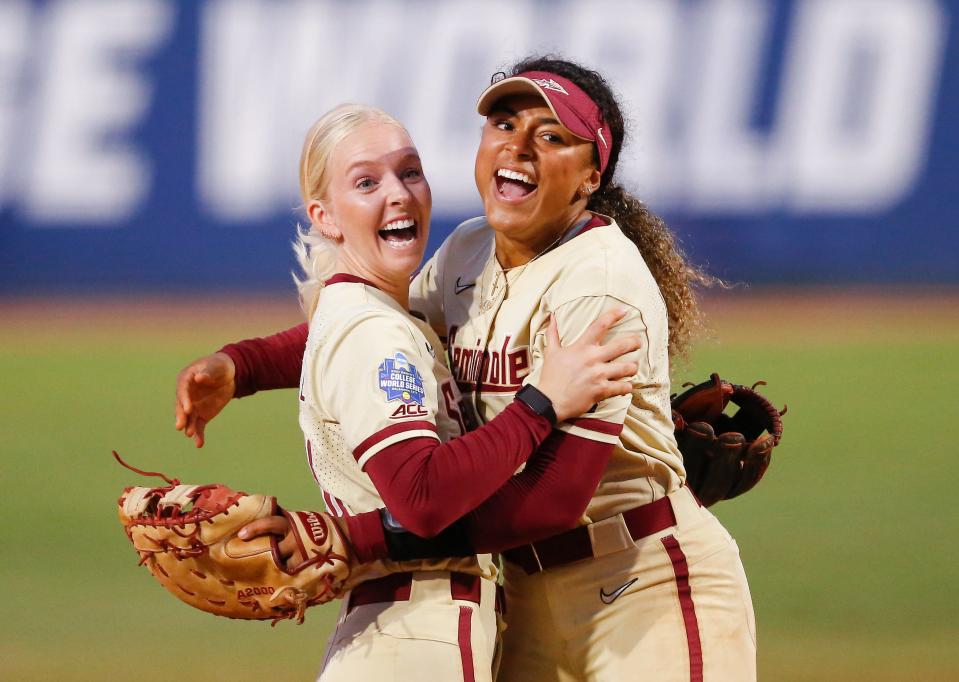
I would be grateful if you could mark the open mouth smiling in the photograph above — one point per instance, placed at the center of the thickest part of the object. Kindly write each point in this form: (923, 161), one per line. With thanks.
(399, 233)
(514, 186)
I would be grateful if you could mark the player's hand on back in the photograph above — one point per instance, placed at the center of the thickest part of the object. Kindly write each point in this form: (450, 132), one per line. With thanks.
(203, 388)
(577, 376)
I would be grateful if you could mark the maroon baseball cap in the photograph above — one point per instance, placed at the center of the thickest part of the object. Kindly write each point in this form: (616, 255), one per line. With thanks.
(571, 106)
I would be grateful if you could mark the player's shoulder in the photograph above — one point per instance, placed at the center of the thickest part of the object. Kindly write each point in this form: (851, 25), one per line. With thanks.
(463, 255)
(607, 244)
(361, 312)
(475, 229)
(470, 240)
(606, 262)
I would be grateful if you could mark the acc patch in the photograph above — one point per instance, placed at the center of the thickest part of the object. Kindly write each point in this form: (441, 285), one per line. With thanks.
(401, 381)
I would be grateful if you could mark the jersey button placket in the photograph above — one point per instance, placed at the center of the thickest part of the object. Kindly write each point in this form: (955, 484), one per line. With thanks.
(494, 293)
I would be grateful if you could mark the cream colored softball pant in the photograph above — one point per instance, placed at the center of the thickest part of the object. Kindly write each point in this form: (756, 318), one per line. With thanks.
(430, 636)
(683, 610)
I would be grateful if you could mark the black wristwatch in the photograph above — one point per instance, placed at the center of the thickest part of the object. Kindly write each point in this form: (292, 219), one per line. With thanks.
(537, 401)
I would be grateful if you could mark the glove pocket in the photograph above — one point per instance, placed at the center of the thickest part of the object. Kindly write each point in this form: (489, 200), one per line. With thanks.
(235, 548)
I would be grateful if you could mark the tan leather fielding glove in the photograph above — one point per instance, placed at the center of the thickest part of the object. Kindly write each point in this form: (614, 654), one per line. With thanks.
(186, 535)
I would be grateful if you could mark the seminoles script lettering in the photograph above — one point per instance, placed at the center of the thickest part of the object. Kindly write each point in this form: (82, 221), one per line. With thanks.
(496, 370)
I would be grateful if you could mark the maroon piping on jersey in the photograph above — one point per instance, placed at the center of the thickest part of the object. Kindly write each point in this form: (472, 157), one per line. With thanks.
(341, 277)
(688, 608)
(427, 485)
(595, 221)
(383, 434)
(597, 426)
(523, 510)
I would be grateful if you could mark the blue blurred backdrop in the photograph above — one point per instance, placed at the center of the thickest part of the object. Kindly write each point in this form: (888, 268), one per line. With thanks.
(152, 145)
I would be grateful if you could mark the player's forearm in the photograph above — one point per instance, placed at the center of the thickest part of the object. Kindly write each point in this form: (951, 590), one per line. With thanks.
(548, 497)
(427, 485)
(376, 535)
(565, 468)
(269, 362)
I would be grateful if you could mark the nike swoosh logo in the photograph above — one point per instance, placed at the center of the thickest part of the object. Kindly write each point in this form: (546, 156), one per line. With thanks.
(609, 598)
(459, 288)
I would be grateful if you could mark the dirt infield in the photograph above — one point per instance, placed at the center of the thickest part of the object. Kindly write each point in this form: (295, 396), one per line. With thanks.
(100, 319)
(763, 315)
(833, 315)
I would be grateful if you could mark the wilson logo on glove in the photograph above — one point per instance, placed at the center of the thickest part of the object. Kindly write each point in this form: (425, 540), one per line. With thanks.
(314, 525)
(186, 535)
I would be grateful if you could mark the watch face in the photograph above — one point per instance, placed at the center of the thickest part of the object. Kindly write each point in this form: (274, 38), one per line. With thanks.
(537, 401)
(534, 398)
(390, 523)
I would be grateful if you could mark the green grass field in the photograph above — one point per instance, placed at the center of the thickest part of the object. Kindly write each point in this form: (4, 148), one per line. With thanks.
(849, 543)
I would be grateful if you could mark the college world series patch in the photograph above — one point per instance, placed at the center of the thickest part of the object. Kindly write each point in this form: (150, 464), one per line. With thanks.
(401, 381)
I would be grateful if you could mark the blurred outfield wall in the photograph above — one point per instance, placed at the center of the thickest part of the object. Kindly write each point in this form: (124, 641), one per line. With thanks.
(152, 144)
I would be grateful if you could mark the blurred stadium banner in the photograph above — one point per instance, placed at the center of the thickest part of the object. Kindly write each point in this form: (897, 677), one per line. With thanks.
(153, 145)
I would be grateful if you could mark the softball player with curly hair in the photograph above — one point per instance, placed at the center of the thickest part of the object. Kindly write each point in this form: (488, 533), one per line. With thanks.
(378, 406)
(616, 571)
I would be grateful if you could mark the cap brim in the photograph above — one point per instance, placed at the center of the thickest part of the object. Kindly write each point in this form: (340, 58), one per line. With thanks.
(517, 85)
(505, 88)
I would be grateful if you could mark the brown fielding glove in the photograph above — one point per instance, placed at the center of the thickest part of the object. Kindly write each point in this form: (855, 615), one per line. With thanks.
(187, 537)
(725, 455)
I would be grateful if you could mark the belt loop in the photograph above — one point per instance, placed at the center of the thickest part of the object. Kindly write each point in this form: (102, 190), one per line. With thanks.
(486, 594)
(675, 504)
(609, 535)
(686, 506)
(432, 585)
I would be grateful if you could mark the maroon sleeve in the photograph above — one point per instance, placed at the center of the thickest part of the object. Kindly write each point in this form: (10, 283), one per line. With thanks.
(547, 498)
(367, 538)
(427, 485)
(270, 362)
(565, 469)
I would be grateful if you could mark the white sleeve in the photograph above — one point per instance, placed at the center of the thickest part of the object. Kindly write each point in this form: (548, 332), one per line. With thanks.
(379, 383)
(605, 422)
(426, 295)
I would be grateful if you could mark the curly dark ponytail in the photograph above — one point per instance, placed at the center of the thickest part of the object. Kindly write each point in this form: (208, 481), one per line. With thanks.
(675, 275)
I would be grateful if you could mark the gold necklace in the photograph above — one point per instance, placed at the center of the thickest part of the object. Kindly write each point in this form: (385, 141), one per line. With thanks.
(488, 301)
(487, 304)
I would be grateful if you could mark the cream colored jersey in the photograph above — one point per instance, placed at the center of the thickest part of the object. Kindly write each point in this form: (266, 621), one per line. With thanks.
(495, 322)
(373, 376)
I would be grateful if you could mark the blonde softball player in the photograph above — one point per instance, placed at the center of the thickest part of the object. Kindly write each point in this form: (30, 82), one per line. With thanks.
(633, 579)
(377, 405)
